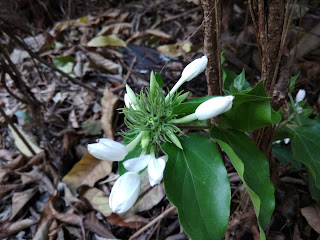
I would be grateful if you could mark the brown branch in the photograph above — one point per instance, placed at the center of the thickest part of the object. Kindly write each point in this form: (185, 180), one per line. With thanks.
(212, 44)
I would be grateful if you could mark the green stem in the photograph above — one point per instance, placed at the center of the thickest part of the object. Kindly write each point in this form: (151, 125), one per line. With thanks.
(194, 126)
(135, 142)
(186, 119)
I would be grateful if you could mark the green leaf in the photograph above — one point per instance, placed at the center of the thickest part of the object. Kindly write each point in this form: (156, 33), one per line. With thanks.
(251, 110)
(305, 148)
(284, 155)
(197, 183)
(103, 41)
(190, 106)
(159, 79)
(23, 114)
(239, 81)
(64, 63)
(314, 191)
(292, 82)
(253, 168)
(233, 83)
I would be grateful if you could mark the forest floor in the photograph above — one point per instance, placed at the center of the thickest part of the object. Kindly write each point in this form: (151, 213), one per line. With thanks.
(64, 93)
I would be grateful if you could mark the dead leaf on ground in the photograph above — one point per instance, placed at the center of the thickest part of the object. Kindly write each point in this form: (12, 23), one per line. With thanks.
(92, 223)
(98, 200)
(108, 104)
(173, 49)
(128, 220)
(103, 41)
(87, 172)
(103, 63)
(20, 144)
(312, 215)
(150, 199)
(11, 228)
(19, 200)
(158, 33)
(114, 28)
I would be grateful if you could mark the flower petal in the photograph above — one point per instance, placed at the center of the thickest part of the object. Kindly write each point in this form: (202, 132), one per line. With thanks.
(193, 69)
(300, 95)
(125, 192)
(155, 170)
(137, 164)
(214, 107)
(107, 149)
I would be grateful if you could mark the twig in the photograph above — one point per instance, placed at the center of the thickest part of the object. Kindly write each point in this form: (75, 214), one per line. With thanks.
(154, 221)
(50, 65)
(8, 121)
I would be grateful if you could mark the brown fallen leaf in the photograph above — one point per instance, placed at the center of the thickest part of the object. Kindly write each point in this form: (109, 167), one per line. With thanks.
(87, 172)
(102, 63)
(312, 215)
(128, 220)
(158, 33)
(98, 201)
(150, 199)
(92, 223)
(14, 227)
(108, 106)
(19, 200)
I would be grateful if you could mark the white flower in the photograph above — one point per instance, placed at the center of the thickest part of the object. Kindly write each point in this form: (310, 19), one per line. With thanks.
(155, 170)
(214, 107)
(107, 149)
(155, 167)
(193, 69)
(300, 95)
(125, 192)
(286, 140)
(128, 103)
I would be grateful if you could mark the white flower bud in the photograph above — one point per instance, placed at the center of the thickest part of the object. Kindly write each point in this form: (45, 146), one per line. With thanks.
(193, 69)
(300, 95)
(107, 149)
(214, 107)
(128, 103)
(137, 164)
(125, 192)
(155, 170)
(286, 140)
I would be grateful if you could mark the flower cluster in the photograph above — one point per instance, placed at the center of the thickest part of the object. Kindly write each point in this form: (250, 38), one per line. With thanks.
(150, 118)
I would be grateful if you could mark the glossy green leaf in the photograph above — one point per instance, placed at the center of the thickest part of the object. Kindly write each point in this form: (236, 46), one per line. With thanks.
(251, 110)
(253, 168)
(233, 83)
(190, 106)
(314, 191)
(305, 148)
(159, 79)
(293, 82)
(197, 183)
(284, 155)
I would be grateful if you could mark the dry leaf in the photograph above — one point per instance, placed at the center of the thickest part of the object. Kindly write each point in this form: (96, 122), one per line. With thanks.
(11, 228)
(312, 216)
(87, 172)
(159, 34)
(115, 28)
(150, 199)
(173, 49)
(108, 104)
(103, 41)
(20, 144)
(101, 62)
(98, 200)
(19, 200)
(94, 225)
(129, 220)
